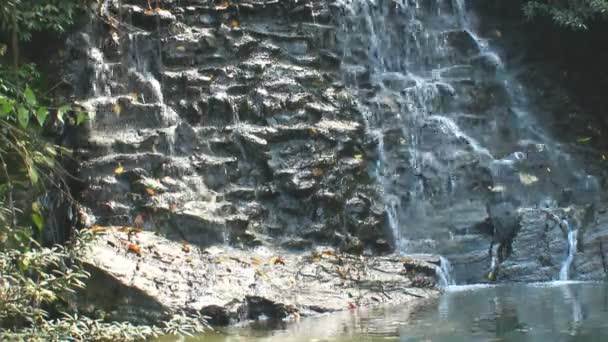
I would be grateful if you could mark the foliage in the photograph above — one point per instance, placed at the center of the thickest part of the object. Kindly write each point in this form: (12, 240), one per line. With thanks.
(573, 14)
(82, 328)
(29, 16)
(32, 279)
(28, 162)
(47, 277)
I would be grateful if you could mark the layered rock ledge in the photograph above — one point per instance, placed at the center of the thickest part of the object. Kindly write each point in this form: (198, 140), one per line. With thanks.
(141, 276)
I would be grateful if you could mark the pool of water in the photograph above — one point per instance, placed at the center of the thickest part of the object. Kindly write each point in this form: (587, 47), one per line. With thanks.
(558, 311)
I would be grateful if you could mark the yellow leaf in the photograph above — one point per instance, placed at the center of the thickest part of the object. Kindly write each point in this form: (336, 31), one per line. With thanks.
(328, 252)
(583, 140)
(527, 179)
(234, 23)
(262, 274)
(116, 108)
(119, 169)
(150, 192)
(316, 257)
(127, 229)
(256, 261)
(96, 229)
(180, 48)
(358, 156)
(222, 5)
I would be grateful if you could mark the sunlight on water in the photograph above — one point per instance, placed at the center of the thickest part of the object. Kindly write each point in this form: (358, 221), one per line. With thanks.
(555, 311)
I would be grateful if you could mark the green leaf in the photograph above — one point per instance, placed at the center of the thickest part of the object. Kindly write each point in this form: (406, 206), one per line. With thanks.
(5, 107)
(41, 115)
(61, 111)
(81, 117)
(30, 98)
(33, 174)
(23, 116)
(38, 220)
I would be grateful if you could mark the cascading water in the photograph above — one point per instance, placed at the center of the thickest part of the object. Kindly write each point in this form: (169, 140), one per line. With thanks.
(455, 132)
(572, 242)
(444, 273)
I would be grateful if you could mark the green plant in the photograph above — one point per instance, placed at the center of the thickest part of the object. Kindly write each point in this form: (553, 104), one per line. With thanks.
(22, 18)
(573, 14)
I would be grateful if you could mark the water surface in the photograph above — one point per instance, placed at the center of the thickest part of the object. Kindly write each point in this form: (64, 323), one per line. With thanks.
(558, 311)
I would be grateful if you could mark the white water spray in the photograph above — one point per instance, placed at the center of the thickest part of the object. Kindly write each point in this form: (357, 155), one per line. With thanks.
(444, 273)
(564, 273)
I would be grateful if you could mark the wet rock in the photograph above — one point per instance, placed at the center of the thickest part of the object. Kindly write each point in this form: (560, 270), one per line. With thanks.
(231, 285)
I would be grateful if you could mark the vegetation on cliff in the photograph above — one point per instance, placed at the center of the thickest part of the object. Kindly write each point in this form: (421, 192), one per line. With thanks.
(39, 278)
(576, 14)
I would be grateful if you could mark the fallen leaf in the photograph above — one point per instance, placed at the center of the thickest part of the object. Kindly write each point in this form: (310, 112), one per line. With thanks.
(262, 274)
(234, 23)
(277, 260)
(127, 229)
(256, 261)
(139, 220)
(583, 140)
(497, 188)
(358, 156)
(342, 272)
(96, 229)
(133, 248)
(328, 252)
(185, 247)
(222, 5)
(116, 108)
(150, 192)
(317, 172)
(351, 306)
(527, 179)
(119, 169)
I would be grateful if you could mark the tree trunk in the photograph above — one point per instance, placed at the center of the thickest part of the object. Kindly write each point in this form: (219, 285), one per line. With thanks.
(15, 43)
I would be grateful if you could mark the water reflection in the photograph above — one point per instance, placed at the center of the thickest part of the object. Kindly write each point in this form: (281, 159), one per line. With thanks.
(558, 311)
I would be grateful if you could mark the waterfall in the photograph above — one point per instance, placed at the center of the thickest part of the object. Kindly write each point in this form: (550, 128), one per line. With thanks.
(564, 272)
(456, 130)
(444, 273)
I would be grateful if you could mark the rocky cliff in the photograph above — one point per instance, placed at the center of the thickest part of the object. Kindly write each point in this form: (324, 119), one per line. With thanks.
(366, 126)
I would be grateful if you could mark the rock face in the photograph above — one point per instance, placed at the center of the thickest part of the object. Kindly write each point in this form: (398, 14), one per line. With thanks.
(141, 276)
(217, 124)
(220, 123)
(468, 161)
(366, 126)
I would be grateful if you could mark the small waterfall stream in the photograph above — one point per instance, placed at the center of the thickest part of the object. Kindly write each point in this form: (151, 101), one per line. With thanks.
(572, 242)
